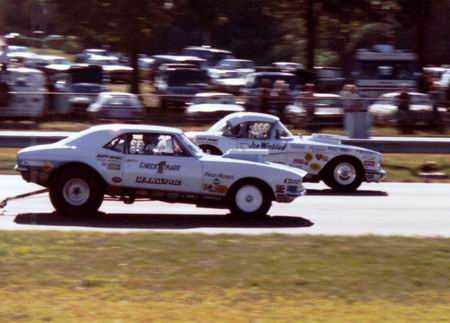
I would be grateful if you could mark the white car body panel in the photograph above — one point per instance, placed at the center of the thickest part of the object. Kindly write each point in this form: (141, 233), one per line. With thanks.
(309, 153)
(194, 173)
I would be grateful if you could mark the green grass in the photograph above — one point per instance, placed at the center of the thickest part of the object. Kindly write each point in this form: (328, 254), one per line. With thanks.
(68, 277)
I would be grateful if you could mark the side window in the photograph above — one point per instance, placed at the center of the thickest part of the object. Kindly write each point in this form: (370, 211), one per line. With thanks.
(259, 130)
(117, 144)
(155, 144)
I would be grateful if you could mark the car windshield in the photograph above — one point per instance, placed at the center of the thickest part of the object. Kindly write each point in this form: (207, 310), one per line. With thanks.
(184, 77)
(219, 126)
(193, 149)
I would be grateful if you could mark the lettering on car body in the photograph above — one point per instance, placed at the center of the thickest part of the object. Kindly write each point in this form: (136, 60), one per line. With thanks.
(161, 167)
(265, 145)
(219, 175)
(158, 181)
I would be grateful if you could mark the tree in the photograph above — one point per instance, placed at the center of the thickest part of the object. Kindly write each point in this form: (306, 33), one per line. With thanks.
(127, 25)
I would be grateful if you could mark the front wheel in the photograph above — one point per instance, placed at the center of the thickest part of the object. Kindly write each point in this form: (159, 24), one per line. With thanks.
(76, 192)
(344, 175)
(250, 200)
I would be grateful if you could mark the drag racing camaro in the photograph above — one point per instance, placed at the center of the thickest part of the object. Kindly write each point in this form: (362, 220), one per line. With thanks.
(130, 162)
(323, 157)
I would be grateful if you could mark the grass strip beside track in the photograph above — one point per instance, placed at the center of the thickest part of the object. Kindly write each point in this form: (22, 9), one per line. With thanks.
(68, 277)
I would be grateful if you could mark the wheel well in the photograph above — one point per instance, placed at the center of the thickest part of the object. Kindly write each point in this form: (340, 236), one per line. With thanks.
(77, 165)
(253, 180)
(211, 147)
(354, 159)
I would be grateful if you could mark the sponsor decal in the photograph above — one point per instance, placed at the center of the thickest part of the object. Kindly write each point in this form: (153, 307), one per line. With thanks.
(369, 163)
(266, 145)
(215, 188)
(283, 198)
(161, 167)
(280, 188)
(315, 166)
(309, 157)
(219, 175)
(321, 157)
(291, 181)
(207, 139)
(117, 180)
(113, 166)
(103, 156)
(158, 181)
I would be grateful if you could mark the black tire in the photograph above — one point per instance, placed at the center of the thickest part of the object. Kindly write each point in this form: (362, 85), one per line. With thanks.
(331, 178)
(239, 210)
(211, 150)
(65, 184)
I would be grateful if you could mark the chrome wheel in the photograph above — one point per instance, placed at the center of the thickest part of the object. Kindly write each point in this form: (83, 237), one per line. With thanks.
(249, 198)
(344, 173)
(76, 192)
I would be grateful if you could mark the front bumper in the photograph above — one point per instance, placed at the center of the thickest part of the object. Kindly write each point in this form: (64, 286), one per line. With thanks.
(375, 176)
(288, 197)
(37, 175)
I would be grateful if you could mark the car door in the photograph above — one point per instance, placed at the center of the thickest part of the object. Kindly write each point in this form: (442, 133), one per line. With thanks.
(159, 162)
(261, 135)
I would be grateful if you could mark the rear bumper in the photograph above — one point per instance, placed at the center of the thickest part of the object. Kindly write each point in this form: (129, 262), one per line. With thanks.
(375, 176)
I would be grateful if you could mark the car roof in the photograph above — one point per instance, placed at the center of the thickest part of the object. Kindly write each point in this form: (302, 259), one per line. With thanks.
(212, 94)
(123, 128)
(394, 94)
(272, 74)
(239, 117)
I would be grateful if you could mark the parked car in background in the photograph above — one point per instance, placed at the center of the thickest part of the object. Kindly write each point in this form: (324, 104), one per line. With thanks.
(135, 162)
(328, 111)
(232, 68)
(176, 84)
(324, 157)
(113, 70)
(79, 87)
(385, 109)
(230, 75)
(211, 55)
(116, 105)
(22, 94)
(329, 79)
(41, 61)
(288, 67)
(211, 106)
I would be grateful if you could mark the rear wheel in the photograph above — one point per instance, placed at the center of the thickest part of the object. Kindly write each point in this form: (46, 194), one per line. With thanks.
(250, 199)
(344, 174)
(76, 191)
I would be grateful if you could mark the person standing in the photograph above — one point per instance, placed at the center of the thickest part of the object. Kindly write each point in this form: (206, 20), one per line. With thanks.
(404, 119)
(356, 118)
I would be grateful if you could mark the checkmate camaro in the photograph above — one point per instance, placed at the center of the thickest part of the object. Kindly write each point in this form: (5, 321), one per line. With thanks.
(130, 162)
(341, 167)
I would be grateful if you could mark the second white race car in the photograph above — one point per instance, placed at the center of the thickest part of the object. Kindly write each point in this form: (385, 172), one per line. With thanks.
(324, 157)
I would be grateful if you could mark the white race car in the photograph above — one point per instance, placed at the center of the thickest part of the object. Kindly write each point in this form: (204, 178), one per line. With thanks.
(130, 162)
(340, 166)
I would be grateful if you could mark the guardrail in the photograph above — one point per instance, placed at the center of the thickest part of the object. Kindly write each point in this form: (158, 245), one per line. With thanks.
(403, 145)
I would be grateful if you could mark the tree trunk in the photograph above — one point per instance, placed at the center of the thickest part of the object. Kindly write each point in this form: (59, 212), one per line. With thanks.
(311, 24)
(421, 33)
(135, 77)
